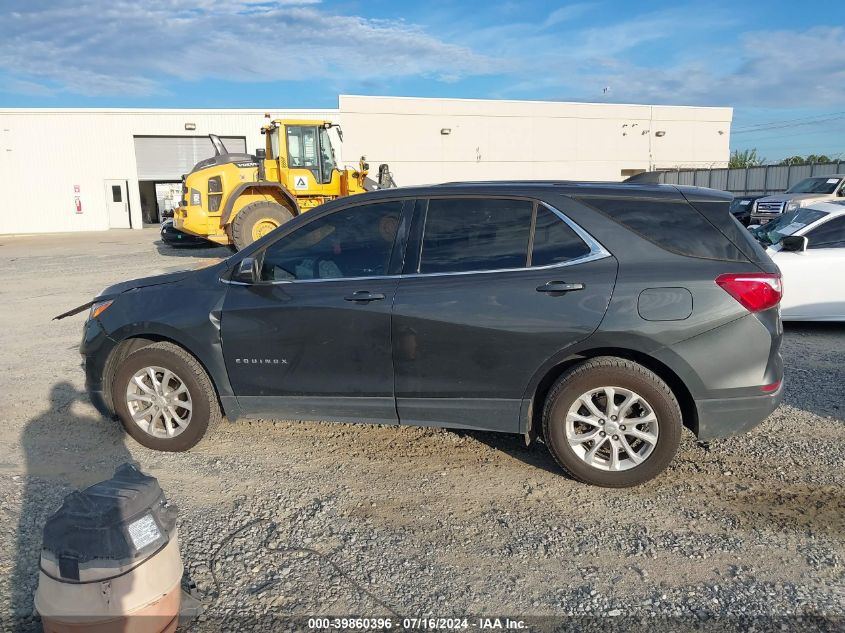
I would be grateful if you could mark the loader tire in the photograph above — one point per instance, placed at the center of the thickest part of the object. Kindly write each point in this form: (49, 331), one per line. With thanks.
(256, 220)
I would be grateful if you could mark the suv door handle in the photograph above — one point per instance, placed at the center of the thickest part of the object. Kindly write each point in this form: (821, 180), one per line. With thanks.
(364, 296)
(554, 287)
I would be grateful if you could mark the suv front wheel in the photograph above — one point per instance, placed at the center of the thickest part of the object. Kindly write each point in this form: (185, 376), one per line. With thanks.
(612, 422)
(164, 397)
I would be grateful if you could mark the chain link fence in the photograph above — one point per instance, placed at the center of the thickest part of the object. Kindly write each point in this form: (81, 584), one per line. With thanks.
(749, 181)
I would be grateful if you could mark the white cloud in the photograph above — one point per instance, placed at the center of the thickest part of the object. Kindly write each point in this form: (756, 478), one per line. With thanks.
(130, 48)
(680, 55)
(566, 13)
(676, 56)
(768, 69)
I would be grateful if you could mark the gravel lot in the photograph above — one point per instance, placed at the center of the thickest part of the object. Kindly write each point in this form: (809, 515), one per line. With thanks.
(424, 522)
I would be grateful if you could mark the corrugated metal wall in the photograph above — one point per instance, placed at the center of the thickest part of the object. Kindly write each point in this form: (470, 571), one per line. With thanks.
(751, 180)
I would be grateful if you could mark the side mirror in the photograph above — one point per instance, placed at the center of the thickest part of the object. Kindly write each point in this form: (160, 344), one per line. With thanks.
(261, 153)
(794, 243)
(247, 271)
(841, 193)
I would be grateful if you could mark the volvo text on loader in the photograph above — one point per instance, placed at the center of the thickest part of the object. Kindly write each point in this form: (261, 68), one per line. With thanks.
(234, 199)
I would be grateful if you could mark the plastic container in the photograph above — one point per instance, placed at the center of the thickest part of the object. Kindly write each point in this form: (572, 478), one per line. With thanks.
(110, 559)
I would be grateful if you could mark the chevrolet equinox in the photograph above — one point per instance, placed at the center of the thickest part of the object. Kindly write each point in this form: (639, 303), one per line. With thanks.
(600, 317)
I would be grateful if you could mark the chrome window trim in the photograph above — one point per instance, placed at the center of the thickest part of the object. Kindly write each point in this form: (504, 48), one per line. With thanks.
(593, 243)
(597, 251)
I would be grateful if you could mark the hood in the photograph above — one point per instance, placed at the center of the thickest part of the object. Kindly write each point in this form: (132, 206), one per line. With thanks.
(143, 282)
(133, 284)
(786, 197)
(168, 276)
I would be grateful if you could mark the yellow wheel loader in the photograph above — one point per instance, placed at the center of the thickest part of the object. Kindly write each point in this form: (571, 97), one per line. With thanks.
(234, 199)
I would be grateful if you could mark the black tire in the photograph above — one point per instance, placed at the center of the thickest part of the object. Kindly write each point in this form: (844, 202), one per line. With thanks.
(205, 407)
(610, 371)
(252, 214)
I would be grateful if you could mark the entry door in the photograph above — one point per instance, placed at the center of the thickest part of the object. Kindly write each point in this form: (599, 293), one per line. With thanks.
(117, 204)
(312, 339)
(500, 287)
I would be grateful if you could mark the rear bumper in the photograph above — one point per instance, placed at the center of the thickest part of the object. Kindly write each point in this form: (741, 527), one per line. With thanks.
(723, 417)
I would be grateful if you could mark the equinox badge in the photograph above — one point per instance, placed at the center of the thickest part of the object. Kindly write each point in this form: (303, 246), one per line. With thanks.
(261, 361)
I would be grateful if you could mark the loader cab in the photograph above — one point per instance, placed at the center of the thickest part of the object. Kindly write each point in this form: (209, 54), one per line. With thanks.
(302, 146)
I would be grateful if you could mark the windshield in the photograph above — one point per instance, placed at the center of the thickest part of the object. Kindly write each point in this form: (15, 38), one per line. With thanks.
(815, 185)
(787, 224)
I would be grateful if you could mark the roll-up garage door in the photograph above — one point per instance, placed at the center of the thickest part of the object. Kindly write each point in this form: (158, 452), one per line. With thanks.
(169, 157)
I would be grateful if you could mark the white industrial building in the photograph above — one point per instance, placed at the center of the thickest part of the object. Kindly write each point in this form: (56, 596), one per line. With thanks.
(95, 169)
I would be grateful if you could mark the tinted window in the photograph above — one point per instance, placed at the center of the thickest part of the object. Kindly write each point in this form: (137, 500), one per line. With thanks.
(671, 224)
(714, 212)
(353, 242)
(831, 234)
(475, 234)
(115, 194)
(554, 240)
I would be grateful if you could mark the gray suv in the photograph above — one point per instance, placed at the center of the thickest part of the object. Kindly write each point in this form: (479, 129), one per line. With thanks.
(601, 318)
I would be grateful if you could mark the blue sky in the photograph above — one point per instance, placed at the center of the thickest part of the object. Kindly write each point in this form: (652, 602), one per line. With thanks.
(772, 61)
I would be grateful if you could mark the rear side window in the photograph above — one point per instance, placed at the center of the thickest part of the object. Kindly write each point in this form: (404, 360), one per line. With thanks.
(554, 240)
(716, 213)
(473, 234)
(671, 224)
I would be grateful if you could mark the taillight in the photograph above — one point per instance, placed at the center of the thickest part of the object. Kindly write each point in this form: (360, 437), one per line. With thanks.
(755, 291)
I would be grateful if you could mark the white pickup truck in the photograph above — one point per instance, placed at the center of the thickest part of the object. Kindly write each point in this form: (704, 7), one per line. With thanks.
(799, 195)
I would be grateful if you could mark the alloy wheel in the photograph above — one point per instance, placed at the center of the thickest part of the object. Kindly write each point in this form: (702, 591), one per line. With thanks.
(612, 428)
(159, 402)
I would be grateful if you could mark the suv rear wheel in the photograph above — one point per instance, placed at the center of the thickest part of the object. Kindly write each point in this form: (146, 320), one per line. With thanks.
(611, 422)
(164, 397)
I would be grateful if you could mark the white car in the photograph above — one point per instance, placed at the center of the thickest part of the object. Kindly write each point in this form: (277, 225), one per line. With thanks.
(808, 245)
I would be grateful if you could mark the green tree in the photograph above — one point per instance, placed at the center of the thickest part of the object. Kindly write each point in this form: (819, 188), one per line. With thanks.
(745, 158)
(806, 160)
(818, 158)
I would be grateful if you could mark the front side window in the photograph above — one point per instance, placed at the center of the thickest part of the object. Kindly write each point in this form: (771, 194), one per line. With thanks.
(302, 146)
(815, 185)
(352, 242)
(274, 143)
(475, 234)
(831, 234)
(327, 161)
